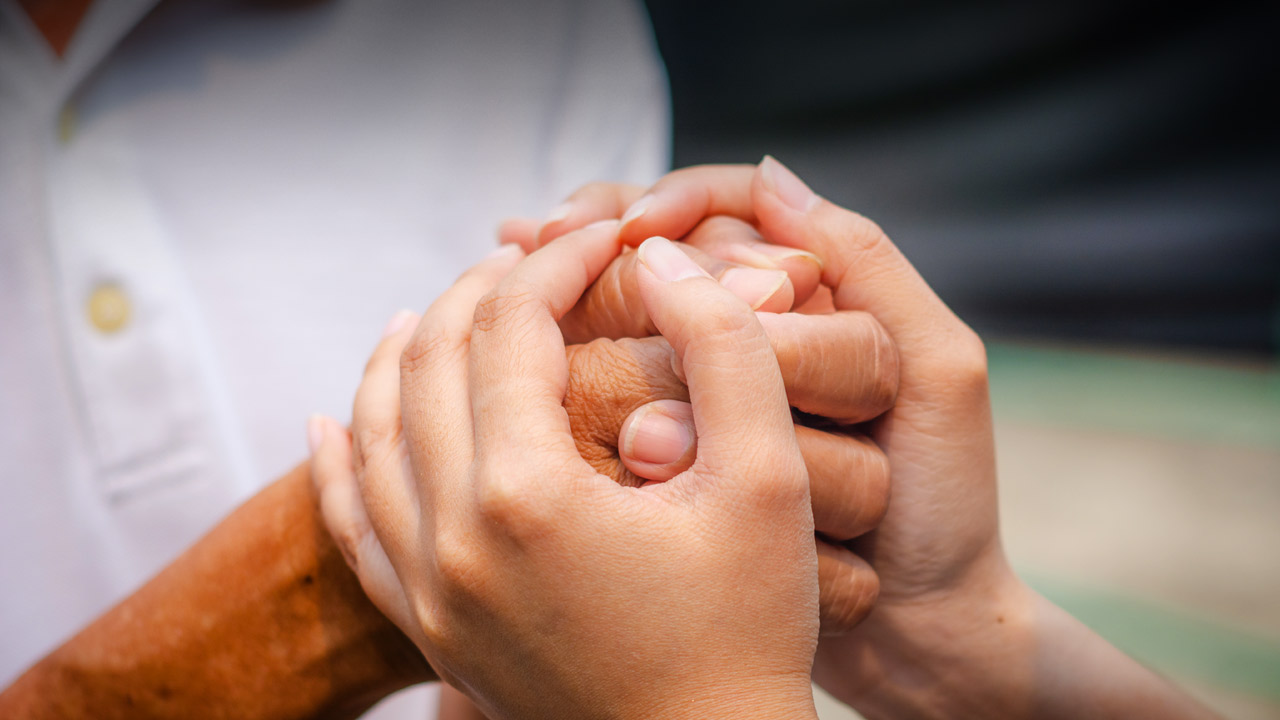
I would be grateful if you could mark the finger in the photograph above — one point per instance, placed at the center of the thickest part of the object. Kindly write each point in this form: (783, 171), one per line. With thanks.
(590, 203)
(864, 269)
(345, 518)
(518, 369)
(842, 366)
(389, 494)
(681, 199)
(739, 404)
(848, 475)
(611, 307)
(520, 231)
(433, 371)
(848, 482)
(847, 589)
(736, 241)
(658, 440)
(631, 421)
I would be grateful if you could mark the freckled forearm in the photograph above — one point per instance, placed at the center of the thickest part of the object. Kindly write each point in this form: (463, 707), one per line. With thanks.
(260, 619)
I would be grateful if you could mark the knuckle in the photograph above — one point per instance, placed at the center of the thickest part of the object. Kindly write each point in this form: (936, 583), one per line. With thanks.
(724, 320)
(433, 341)
(787, 488)
(850, 593)
(372, 443)
(721, 228)
(348, 538)
(513, 503)
(504, 501)
(967, 360)
(863, 232)
(514, 305)
(883, 388)
(873, 498)
(458, 564)
(438, 630)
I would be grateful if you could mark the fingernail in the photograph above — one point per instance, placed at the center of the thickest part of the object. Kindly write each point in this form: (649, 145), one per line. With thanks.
(637, 209)
(753, 285)
(790, 189)
(315, 432)
(558, 213)
(778, 252)
(397, 322)
(604, 223)
(656, 438)
(502, 250)
(667, 262)
(769, 257)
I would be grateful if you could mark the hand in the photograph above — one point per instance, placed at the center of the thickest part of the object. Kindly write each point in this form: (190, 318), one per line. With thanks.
(518, 562)
(955, 633)
(631, 421)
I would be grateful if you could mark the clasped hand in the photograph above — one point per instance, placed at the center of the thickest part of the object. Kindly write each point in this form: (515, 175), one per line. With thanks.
(562, 535)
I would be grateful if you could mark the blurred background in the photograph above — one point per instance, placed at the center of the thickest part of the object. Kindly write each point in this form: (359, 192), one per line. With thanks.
(1095, 187)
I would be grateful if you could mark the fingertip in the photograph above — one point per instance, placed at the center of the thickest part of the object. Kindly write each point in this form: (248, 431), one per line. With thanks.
(764, 290)
(848, 588)
(521, 231)
(315, 432)
(398, 322)
(666, 262)
(505, 252)
(786, 186)
(553, 225)
(658, 441)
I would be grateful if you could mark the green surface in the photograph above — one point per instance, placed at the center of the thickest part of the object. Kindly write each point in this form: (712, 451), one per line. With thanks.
(1178, 399)
(1169, 398)
(1171, 641)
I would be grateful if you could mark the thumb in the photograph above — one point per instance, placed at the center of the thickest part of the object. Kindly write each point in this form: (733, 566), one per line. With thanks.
(739, 404)
(658, 440)
(864, 269)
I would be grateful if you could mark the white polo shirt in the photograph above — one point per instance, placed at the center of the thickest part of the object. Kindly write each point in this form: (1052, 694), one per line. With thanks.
(209, 209)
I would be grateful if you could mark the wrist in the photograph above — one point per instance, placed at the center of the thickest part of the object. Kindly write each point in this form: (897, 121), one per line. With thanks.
(966, 654)
(790, 700)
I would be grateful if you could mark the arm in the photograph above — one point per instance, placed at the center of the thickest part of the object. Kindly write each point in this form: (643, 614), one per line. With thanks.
(259, 619)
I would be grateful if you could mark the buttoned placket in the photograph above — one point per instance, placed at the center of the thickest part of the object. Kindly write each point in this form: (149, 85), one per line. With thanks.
(121, 298)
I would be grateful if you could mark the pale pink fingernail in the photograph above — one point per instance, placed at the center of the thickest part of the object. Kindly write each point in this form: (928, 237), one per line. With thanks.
(667, 262)
(656, 438)
(638, 208)
(315, 432)
(501, 250)
(558, 213)
(752, 284)
(784, 183)
(603, 223)
(397, 323)
(778, 252)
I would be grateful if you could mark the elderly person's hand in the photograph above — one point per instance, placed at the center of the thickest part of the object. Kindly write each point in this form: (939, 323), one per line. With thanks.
(544, 588)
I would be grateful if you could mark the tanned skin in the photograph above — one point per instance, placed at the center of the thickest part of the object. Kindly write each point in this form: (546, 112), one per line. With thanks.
(259, 619)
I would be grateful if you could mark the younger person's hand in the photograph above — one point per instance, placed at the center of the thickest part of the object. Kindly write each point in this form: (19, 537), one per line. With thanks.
(547, 590)
(955, 633)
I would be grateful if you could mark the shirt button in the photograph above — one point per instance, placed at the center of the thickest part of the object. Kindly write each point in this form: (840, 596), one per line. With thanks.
(108, 308)
(67, 124)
